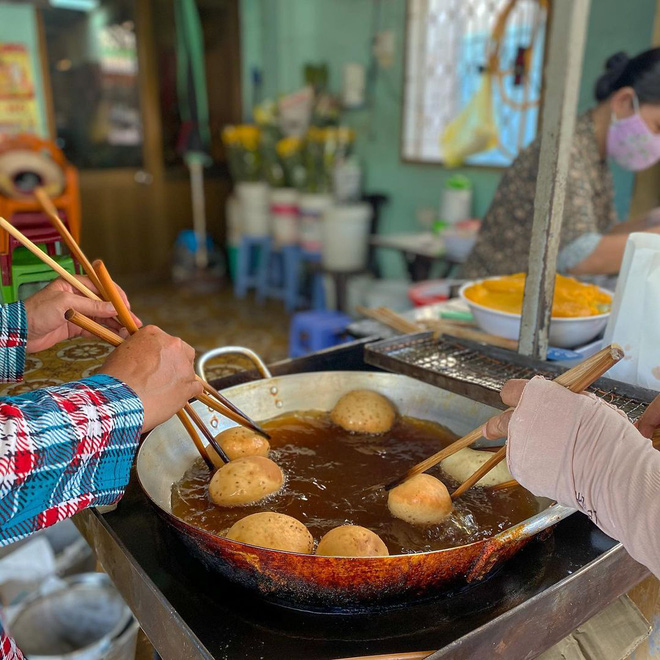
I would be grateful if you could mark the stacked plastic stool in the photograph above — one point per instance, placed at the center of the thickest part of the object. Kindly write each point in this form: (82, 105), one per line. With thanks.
(277, 276)
(26, 269)
(316, 330)
(251, 259)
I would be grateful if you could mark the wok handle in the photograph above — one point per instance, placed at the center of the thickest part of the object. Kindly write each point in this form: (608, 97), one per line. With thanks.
(232, 350)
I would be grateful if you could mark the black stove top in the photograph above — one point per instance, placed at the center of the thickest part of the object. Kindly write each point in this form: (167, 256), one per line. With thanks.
(189, 612)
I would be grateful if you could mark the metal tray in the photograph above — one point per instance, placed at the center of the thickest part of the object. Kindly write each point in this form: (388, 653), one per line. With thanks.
(479, 371)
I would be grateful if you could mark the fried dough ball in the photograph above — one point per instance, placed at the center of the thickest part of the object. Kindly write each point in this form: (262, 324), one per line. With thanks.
(272, 530)
(352, 541)
(465, 463)
(364, 411)
(237, 442)
(422, 500)
(245, 481)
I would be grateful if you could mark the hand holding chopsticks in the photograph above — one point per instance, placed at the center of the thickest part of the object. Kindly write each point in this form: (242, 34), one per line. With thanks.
(99, 276)
(576, 379)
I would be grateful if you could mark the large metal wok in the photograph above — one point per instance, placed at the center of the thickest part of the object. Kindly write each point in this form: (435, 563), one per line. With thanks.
(330, 583)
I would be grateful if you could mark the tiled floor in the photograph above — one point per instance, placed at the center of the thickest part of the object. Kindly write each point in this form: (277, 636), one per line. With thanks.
(203, 320)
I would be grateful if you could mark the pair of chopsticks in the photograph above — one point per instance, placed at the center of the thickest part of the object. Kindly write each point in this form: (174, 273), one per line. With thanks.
(459, 329)
(576, 379)
(101, 279)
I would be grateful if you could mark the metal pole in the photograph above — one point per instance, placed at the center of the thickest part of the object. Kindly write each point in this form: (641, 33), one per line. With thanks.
(562, 79)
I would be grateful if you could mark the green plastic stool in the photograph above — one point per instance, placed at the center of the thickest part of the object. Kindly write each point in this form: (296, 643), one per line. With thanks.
(27, 269)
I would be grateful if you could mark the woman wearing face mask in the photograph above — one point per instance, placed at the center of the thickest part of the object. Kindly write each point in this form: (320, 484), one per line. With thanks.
(623, 127)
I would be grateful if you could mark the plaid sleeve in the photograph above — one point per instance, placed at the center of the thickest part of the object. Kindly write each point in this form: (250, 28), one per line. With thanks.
(62, 449)
(8, 648)
(13, 337)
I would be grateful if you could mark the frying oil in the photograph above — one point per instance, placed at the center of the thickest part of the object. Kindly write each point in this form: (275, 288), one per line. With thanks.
(328, 475)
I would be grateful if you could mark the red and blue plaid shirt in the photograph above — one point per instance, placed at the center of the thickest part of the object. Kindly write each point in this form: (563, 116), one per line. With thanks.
(62, 448)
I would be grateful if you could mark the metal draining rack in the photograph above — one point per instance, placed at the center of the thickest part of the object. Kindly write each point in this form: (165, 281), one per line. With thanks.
(479, 372)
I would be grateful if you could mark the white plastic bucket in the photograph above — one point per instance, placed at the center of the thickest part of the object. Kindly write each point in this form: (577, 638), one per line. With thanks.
(80, 618)
(284, 216)
(312, 209)
(254, 199)
(345, 237)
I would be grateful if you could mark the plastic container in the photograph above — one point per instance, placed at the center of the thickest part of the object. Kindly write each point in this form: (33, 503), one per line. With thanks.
(345, 237)
(80, 618)
(347, 180)
(284, 216)
(254, 201)
(458, 245)
(456, 201)
(429, 292)
(312, 208)
(564, 332)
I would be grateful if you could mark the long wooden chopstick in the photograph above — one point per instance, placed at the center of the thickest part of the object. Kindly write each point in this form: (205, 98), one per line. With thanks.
(187, 424)
(440, 327)
(112, 295)
(109, 336)
(234, 413)
(577, 381)
(512, 483)
(64, 274)
(580, 376)
(494, 460)
(51, 212)
(129, 323)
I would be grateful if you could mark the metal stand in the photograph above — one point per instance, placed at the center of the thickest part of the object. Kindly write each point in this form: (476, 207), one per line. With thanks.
(562, 78)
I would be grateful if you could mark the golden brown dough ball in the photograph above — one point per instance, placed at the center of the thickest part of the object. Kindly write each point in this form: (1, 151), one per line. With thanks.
(272, 530)
(352, 541)
(237, 442)
(422, 500)
(466, 462)
(245, 481)
(364, 411)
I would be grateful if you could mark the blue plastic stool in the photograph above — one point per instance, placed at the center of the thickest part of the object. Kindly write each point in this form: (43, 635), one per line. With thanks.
(314, 331)
(252, 253)
(277, 277)
(280, 276)
(318, 291)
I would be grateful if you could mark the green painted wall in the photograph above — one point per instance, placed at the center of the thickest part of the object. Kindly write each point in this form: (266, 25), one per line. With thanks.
(279, 36)
(18, 25)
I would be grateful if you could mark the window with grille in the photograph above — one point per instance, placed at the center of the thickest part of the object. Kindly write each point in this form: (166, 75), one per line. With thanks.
(451, 45)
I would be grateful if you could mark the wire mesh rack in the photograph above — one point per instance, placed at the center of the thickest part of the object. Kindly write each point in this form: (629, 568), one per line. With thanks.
(480, 371)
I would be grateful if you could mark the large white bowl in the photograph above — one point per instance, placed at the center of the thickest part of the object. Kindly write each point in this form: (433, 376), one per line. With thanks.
(564, 332)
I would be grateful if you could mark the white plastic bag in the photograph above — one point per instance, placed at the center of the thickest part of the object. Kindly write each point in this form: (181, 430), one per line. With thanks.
(635, 319)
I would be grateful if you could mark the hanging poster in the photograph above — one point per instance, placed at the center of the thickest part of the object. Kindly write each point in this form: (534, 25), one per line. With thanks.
(18, 103)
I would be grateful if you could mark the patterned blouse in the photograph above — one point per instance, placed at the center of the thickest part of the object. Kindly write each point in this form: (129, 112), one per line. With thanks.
(503, 243)
(62, 448)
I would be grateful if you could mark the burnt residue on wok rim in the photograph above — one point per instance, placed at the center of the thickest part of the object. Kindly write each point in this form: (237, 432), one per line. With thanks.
(335, 584)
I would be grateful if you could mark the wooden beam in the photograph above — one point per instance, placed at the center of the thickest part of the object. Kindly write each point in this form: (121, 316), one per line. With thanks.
(562, 81)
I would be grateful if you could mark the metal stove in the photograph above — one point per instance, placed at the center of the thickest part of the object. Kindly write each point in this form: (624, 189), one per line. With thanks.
(538, 597)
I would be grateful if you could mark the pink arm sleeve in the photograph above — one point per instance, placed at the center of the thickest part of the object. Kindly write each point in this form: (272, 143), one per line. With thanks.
(582, 452)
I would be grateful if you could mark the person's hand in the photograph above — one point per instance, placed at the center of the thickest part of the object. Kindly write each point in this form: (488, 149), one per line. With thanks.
(46, 325)
(498, 427)
(159, 369)
(650, 420)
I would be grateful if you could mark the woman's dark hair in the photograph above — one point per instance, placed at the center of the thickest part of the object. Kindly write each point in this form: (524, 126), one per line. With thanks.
(641, 72)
